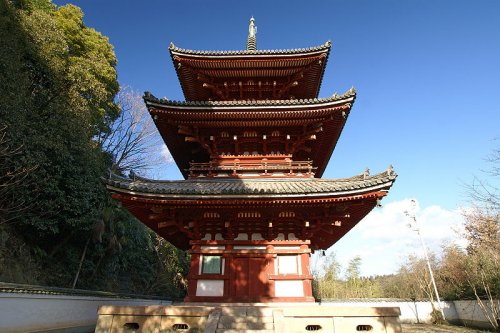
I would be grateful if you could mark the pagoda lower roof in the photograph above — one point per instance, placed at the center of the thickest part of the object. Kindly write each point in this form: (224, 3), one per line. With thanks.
(185, 210)
(216, 188)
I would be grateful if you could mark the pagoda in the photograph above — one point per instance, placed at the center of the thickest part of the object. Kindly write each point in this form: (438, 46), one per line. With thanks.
(252, 140)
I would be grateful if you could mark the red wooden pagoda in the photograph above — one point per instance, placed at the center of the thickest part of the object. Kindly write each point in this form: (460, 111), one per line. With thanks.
(252, 140)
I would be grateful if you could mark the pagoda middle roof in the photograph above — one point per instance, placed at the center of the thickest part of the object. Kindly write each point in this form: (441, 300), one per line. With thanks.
(151, 100)
(331, 112)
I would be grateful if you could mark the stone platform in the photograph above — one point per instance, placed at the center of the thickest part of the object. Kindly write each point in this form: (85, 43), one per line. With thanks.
(244, 317)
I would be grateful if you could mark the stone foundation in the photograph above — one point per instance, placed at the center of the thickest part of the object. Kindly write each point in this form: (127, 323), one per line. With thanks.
(262, 318)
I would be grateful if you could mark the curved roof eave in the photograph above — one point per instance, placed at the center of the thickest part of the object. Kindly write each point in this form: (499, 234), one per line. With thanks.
(249, 189)
(323, 48)
(348, 96)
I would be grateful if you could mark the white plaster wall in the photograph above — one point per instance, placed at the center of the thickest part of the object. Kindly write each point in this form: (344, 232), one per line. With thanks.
(32, 313)
(411, 312)
(211, 288)
(287, 265)
(464, 312)
(471, 313)
(289, 288)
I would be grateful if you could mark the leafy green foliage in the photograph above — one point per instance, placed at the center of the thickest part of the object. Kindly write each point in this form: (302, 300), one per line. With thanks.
(58, 82)
(330, 285)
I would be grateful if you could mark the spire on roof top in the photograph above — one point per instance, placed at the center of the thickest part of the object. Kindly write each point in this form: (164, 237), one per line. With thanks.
(252, 40)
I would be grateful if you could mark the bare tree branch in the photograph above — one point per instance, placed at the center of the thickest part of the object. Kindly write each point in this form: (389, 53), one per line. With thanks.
(133, 142)
(12, 178)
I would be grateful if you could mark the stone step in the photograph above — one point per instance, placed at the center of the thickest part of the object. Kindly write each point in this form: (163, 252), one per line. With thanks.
(255, 311)
(248, 322)
(229, 319)
(247, 325)
(225, 330)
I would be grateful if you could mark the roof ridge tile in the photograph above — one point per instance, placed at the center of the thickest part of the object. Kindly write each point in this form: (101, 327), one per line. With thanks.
(325, 46)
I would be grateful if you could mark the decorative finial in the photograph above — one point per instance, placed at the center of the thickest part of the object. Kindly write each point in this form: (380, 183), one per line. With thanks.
(252, 40)
(390, 170)
(366, 173)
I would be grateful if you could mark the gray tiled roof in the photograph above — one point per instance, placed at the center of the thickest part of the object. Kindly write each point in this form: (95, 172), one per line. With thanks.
(322, 47)
(14, 288)
(149, 98)
(253, 187)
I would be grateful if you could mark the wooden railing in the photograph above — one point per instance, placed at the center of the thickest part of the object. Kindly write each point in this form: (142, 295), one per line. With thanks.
(263, 167)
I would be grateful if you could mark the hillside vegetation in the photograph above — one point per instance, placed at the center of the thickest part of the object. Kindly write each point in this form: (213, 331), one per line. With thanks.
(58, 224)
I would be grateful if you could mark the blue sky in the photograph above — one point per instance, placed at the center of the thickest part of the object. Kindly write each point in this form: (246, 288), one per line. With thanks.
(427, 75)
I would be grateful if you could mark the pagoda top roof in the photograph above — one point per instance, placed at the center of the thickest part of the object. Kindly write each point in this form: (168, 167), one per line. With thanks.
(174, 50)
(252, 188)
(250, 74)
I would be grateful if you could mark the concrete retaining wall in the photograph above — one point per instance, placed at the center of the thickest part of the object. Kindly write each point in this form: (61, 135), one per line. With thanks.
(56, 313)
(466, 313)
(28, 312)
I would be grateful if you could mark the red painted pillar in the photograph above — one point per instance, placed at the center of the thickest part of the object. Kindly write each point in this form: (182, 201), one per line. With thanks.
(306, 271)
(193, 273)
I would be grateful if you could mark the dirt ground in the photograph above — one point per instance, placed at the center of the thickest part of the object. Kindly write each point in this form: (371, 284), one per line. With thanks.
(426, 328)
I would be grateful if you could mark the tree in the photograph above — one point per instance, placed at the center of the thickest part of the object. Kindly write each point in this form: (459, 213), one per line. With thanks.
(326, 279)
(485, 193)
(353, 283)
(482, 264)
(328, 284)
(171, 269)
(58, 82)
(132, 142)
(452, 275)
(482, 230)
(59, 89)
(11, 179)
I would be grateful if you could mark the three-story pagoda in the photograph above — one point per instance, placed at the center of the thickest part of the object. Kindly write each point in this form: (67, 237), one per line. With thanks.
(252, 140)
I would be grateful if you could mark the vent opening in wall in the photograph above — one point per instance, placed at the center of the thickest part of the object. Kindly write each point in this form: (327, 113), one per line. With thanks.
(313, 328)
(130, 326)
(364, 328)
(180, 327)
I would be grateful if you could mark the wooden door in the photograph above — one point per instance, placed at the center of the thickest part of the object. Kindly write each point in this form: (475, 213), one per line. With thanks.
(249, 279)
(240, 278)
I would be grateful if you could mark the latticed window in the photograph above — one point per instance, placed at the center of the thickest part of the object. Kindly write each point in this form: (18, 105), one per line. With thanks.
(249, 134)
(248, 214)
(287, 214)
(211, 215)
(211, 265)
